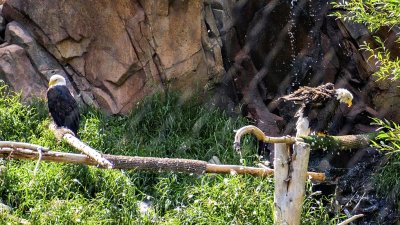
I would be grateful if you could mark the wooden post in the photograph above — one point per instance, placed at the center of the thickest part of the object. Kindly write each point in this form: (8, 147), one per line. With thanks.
(290, 177)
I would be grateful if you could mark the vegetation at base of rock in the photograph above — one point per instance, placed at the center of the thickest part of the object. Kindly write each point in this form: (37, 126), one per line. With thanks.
(375, 15)
(387, 179)
(160, 126)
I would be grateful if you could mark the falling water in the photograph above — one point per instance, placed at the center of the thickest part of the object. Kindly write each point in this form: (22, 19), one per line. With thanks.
(291, 32)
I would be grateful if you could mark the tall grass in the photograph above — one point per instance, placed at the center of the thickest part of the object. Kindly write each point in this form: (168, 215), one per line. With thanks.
(386, 178)
(162, 126)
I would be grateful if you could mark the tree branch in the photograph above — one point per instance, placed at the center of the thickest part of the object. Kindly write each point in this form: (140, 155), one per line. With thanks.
(69, 137)
(13, 144)
(351, 219)
(151, 164)
(250, 129)
(321, 142)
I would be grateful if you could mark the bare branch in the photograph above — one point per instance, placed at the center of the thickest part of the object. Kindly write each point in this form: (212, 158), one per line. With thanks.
(250, 129)
(13, 144)
(68, 136)
(351, 219)
(152, 164)
(321, 142)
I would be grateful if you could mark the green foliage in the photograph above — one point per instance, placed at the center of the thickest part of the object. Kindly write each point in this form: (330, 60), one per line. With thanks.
(17, 122)
(388, 140)
(375, 14)
(389, 68)
(159, 126)
(225, 200)
(164, 126)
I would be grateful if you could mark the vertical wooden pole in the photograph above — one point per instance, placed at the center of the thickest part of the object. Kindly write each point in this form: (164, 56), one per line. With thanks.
(290, 178)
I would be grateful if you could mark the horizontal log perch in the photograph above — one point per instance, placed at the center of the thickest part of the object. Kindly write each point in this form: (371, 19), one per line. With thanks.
(13, 144)
(151, 164)
(344, 142)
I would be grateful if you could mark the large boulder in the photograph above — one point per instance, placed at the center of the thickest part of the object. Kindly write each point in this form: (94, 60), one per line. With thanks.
(117, 52)
(17, 70)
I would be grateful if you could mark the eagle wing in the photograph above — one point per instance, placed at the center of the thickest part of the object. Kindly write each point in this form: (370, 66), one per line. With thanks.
(309, 98)
(311, 95)
(63, 107)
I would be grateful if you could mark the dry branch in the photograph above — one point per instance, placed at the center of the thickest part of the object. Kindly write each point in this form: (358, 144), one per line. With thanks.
(152, 164)
(13, 144)
(68, 136)
(250, 129)
(351, 219)
(321, 142)
(344, 142)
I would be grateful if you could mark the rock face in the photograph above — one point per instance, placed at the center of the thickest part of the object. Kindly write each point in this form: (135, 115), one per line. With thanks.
(117, 52)
(17, 70)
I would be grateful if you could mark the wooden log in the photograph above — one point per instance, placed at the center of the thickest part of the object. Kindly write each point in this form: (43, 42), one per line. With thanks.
(351, 219)
(344, 142)
(290, 178)
(235, 169)
(257, 132)
(152, 164)
(68, 136)
(13, 144)
(86, 149)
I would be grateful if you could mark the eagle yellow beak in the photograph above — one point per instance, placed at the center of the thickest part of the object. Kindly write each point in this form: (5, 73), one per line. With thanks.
(349, 103)
(52, 82)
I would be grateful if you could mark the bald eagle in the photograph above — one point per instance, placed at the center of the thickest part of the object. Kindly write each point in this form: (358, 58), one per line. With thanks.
(62, 105)
(313, 97)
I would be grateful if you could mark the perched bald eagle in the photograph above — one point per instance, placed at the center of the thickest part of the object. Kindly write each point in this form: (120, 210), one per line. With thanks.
(313, 97)
(62, 105)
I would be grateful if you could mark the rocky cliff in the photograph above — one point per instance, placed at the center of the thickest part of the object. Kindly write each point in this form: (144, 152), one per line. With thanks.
(113, 52)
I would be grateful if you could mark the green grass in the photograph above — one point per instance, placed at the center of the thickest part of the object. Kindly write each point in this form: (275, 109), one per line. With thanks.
(160, 126)
(386, 179)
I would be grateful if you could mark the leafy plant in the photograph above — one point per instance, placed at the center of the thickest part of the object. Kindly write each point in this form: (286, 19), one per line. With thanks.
(375, 15)
(389, 68)
(388, 140)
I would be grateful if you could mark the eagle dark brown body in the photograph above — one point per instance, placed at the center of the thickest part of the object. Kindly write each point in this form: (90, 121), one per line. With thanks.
(324, 99)
(312, 95)
(63, 108)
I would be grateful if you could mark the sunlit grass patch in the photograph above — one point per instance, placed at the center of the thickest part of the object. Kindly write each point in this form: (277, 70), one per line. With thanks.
(161, 126)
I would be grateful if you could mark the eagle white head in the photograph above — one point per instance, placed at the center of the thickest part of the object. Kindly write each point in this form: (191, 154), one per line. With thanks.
(57, 80)
(344, 96)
